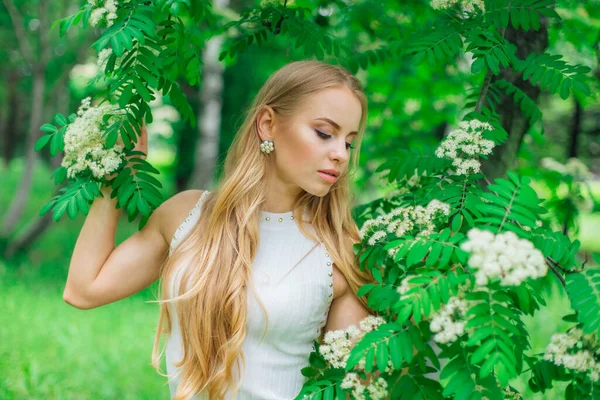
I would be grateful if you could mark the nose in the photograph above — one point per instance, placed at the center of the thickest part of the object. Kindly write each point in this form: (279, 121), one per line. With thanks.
(339, 152)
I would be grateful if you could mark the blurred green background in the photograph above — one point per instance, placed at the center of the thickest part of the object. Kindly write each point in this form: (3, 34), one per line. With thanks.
(50, 350)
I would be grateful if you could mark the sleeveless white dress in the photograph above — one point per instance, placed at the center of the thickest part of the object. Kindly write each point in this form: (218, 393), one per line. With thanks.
(297, 301)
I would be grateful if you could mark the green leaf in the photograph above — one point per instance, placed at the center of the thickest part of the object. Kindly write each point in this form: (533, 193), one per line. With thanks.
(395, 354)
(47, 207)
(143, 206)
(363, 290)
(145, 166)
(370, 359)
(149, 178)
(49, 128)
(41, 142)
(328, 394)
(482, 351)
(60, 119)
(488, 365)
(56, 144)
(583, 290)
(382, 356)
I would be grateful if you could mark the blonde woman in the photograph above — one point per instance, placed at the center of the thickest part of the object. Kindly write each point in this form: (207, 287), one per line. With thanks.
(255, 270)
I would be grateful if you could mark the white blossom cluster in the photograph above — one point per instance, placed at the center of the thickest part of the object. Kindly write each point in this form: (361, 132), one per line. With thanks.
(573, 167)
(577, 351)
(464, 146)
(337, 344)
(85, 147)
(336, 351)
(103, 9)
(467, 5)
(377, 389)
(449, 322)
(503, 256)
(402, 220)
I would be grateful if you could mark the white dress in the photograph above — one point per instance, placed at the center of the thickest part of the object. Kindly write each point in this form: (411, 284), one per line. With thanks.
(297, 304)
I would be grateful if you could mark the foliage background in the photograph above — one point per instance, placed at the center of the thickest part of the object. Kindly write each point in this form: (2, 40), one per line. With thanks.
(50, 350)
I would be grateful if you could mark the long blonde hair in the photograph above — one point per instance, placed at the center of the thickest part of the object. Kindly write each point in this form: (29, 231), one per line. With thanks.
(211, 302)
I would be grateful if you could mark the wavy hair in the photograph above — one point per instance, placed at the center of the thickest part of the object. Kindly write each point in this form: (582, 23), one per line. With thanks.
(211, 301)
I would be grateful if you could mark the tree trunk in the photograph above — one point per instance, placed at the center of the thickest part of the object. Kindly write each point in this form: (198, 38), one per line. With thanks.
(38, 225)
(9, 130)
(19, 201)
(512, 118)
(207, 147)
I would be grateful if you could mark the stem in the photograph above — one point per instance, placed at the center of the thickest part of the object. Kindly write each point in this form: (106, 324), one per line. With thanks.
(560, 278)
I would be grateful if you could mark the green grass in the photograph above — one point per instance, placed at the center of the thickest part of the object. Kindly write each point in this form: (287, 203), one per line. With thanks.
(50, 350)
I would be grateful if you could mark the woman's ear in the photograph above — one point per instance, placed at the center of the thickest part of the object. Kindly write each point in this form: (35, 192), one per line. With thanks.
(265, 120)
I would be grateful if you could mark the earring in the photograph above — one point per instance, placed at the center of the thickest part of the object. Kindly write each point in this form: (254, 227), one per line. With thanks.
(266, 146)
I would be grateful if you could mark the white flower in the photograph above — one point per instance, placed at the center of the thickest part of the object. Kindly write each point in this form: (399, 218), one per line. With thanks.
(103, 9)
(402, 221)
(448, 323)
(378, 389)
(575, 350)
(352, 381)
(503, 256)
(376, 237)
(337, 344)
(96, 16)
(85, 148)
(465, 145)
(371, 323)
(403, 288)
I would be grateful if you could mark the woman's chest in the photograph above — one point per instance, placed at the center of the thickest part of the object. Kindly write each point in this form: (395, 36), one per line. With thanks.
(296, 289)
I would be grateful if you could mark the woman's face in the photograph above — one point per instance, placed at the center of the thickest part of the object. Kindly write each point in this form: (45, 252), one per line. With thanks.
(316, 137)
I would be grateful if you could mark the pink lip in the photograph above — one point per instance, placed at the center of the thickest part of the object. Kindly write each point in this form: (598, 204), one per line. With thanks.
(327, 177)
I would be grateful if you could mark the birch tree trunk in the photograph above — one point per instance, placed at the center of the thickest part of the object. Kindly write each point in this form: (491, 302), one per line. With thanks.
(211, 101)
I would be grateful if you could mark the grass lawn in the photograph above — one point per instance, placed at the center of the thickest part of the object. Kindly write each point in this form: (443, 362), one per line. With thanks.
(50, 350)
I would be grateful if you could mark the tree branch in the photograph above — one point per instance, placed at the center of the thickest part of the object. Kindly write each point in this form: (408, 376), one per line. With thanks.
(17, 21)
(558, 274)
(484, 90)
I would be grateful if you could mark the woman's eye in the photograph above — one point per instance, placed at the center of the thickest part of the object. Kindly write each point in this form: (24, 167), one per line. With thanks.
(323, 135)
(326, 136)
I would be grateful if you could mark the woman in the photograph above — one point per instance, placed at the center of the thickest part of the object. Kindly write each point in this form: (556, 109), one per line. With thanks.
(261, 264)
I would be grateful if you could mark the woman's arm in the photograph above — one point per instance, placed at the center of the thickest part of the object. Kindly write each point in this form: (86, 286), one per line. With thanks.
(346, 309)
(100, 274)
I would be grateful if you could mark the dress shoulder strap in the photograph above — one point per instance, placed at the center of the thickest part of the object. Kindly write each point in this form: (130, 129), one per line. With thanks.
(188, 222)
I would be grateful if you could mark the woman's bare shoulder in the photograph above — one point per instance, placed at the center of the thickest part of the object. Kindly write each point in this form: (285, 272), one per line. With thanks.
(175, 209)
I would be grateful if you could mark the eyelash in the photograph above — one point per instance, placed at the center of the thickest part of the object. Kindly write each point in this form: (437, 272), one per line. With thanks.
(326, 136)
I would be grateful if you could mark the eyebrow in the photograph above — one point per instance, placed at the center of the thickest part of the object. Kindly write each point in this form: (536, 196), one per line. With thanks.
(335, 125)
